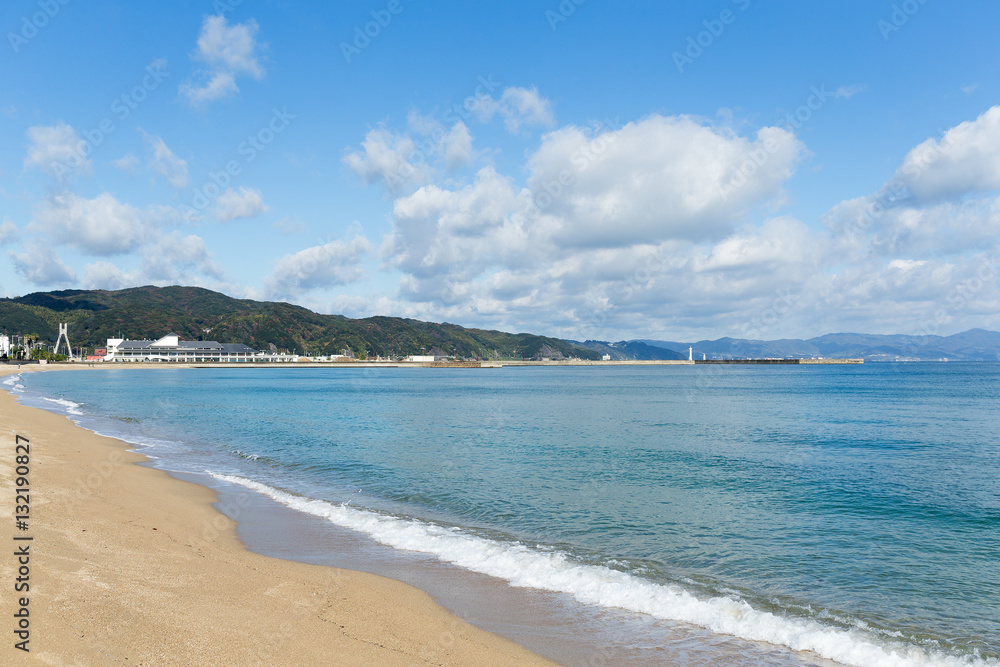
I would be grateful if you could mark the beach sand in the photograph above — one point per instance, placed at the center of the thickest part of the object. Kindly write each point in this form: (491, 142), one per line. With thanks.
(130, 566)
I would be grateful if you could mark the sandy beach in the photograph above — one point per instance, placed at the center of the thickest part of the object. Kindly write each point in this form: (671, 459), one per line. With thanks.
(127, 565)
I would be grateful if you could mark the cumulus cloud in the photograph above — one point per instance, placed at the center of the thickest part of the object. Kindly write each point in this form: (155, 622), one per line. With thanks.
(867, 227)
(167, 260)
(99, 226)
(176, 259)
(655, 179)
(227, 51)
(457, 146)
(966, 159)
(40, 265)
(334, 263)
(243, 203)
(440, 231)
(165, 163)
(518, 107)
(389, 158)
(57, 150)
(105, 275)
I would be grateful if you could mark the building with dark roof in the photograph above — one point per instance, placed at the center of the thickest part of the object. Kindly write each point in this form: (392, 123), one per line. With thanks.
(172, 348)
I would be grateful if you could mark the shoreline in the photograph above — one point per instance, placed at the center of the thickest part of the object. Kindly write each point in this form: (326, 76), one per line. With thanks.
(132, 565)
(67, 365)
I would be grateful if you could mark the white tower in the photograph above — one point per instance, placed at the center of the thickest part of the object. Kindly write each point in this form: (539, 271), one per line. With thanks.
(690, 354)
(63, 336)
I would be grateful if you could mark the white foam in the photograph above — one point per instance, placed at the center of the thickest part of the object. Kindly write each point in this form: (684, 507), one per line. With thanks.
(14, 382)
(71, 407)
(598, 585)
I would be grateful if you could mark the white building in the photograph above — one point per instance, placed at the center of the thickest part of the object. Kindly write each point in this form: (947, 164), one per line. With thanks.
(172, 348)
(4, 345)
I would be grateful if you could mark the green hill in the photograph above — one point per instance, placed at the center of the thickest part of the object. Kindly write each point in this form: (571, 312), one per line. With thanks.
(200, 314)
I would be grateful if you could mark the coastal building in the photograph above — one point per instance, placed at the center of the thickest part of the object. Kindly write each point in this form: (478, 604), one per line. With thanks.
(4, 345)
(172, 348)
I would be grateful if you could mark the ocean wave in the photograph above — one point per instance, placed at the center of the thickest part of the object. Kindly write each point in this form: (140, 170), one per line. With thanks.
(522, 566)
(14, 382)
(70, 406)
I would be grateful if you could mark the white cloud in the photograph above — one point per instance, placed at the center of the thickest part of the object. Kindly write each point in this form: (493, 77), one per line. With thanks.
(778, 242)
(172, 259)
(176, 259)
(438, 231)
(243, 203)
(847, 92)
(127, 163)
(611, 226)
(655, 179)
(228, 51)
(230, 48)
(518, 107)
(334, 263)
(219, 87)
(57, 150)
(389, 158)
(8, 231)
(41, 266)
(290, 226)
(941, 229)
(105, 275)
(457, 146)
(100, 226)
(964, 160)
(165, 163)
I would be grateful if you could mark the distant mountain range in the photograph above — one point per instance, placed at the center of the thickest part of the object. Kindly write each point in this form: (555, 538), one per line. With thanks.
(200, 314)
(972, 345)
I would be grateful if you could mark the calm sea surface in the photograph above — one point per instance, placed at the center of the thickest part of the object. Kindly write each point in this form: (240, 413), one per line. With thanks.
(850, 511)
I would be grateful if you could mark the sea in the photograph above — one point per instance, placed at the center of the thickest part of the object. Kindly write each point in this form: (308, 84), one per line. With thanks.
(619, 515)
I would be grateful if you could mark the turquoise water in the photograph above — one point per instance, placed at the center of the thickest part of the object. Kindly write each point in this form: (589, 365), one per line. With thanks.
(852, 511)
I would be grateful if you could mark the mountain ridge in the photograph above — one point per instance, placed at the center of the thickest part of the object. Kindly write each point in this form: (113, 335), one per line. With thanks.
(971, 345)
(198, 313)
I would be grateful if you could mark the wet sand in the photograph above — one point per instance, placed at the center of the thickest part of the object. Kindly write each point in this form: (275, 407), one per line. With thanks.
(131, 566)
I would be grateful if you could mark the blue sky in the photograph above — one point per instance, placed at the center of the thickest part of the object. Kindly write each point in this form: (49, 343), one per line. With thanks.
(596, 170)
